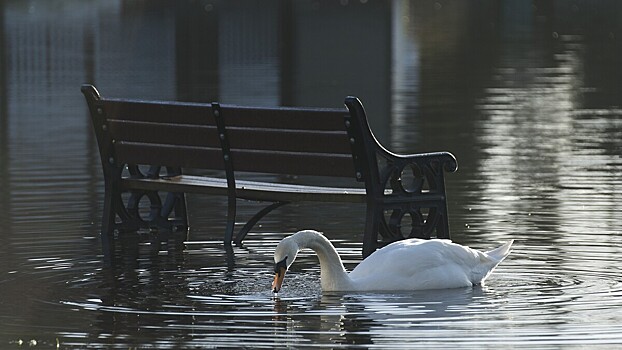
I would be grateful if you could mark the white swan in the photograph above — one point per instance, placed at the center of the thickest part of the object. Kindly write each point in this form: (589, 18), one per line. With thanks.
(410, 264)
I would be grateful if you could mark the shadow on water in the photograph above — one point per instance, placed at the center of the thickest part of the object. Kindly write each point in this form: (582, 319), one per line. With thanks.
(525, 94)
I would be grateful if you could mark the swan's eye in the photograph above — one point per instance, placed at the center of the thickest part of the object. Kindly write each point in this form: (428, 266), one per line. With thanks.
(280, 265)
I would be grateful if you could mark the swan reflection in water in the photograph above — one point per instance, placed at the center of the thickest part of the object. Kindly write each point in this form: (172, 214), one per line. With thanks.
(377, 317)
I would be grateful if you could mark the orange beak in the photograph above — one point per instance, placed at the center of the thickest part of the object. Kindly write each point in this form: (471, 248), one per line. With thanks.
(278, 279)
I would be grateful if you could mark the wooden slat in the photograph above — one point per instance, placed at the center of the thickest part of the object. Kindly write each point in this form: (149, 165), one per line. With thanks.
(300, 193)
(284, 118)
(292, 163)
(166, 155)
(251, 190)
(159, 112)
(289, 140)
(181, 183)
(170, 134)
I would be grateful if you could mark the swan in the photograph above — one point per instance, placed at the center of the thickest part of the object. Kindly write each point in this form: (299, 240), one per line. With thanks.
(410, 264)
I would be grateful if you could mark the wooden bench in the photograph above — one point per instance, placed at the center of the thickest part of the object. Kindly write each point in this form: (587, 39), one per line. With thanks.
(147, 148)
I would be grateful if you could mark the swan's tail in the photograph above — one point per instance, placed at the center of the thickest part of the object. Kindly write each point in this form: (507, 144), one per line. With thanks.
(500, 253)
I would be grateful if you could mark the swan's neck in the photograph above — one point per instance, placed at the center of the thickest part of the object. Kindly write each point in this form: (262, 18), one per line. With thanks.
(332, 272)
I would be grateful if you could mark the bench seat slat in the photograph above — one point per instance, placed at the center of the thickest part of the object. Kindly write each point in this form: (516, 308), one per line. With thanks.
(252, 190)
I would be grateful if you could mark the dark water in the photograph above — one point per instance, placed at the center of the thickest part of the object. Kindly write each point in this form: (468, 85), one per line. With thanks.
(527, 95)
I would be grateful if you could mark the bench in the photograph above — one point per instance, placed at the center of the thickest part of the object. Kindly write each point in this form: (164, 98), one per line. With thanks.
(163, 150)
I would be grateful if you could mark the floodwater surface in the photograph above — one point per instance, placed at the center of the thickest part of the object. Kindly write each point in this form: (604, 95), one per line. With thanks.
(527, 96)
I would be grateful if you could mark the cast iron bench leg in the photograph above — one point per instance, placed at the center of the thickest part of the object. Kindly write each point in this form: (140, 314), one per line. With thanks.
(107, 230)
(231, 212)
(372, 225)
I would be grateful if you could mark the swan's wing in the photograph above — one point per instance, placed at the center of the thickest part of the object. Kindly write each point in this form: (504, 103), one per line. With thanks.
(418, 264)
(474, 264)
(413, 255)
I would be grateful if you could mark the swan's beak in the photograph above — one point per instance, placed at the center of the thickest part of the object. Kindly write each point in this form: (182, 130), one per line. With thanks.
(279, 273)
(278, 279)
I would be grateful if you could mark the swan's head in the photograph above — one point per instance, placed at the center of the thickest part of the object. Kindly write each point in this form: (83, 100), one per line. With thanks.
(284, 256)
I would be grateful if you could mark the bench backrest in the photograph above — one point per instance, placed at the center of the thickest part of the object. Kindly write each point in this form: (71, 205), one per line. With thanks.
(293, 141)
(154, 133)
(296, 141)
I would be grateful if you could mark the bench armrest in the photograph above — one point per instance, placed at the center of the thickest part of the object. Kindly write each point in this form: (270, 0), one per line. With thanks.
(398, 185)
(379, 167)
(446, 159)
(414, 174)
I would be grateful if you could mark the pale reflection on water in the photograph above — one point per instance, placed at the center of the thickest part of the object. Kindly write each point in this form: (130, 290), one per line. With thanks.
(526, 95)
